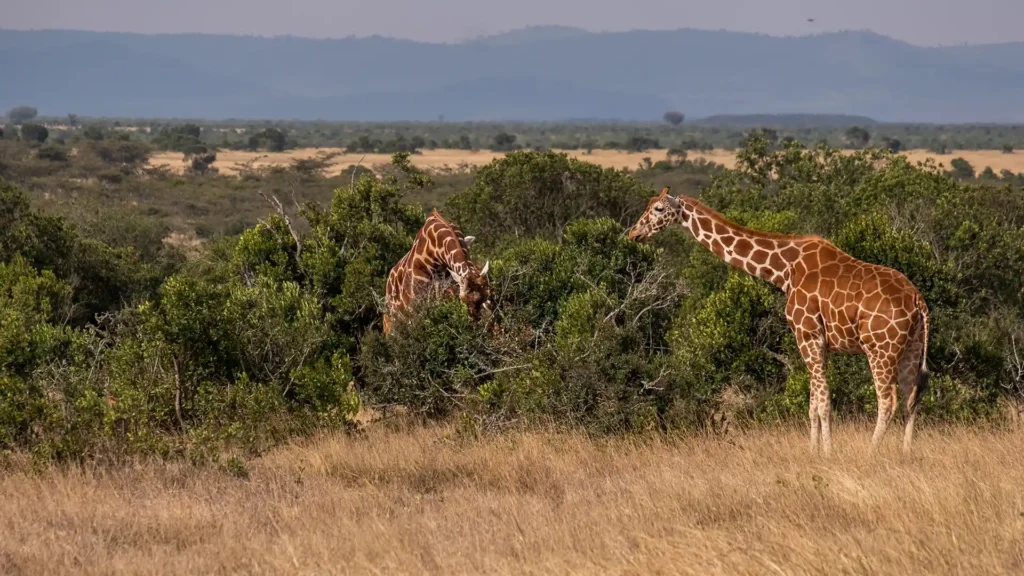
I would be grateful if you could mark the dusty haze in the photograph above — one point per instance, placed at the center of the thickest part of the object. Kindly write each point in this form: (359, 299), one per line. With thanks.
(925, 22)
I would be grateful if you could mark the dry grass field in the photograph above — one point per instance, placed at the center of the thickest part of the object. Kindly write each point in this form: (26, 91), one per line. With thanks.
(432, 501)
(228, 160)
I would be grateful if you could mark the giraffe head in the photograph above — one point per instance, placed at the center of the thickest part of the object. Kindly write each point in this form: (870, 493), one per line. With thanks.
(662, 210)
(475, 291)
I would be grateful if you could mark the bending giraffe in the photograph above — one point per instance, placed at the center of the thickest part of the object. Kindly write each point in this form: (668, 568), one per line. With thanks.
(439, 247)
(834, 303)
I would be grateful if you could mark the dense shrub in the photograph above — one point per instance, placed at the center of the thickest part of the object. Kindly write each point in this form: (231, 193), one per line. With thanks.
(35, 133)
(270, 139)
(111, 345)
(182, 138)
(432, 363)
(529, 194)
(580, 324)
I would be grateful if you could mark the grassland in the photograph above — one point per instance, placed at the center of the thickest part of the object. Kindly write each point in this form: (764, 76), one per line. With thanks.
(228, 161)
(416, 500)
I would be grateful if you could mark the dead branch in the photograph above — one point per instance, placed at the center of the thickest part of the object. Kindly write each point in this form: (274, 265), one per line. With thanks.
(280, 209)
(355, 169)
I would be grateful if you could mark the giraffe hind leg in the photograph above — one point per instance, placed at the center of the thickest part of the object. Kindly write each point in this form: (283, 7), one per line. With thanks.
(911, 386)
(883, 370)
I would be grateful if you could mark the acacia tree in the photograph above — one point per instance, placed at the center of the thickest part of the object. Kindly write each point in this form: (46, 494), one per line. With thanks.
(674, 117)
(21, 114)
(961, 168)
(858, 136)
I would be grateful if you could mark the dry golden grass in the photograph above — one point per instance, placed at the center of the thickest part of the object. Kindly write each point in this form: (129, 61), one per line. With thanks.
(430, 501)
(227, 160)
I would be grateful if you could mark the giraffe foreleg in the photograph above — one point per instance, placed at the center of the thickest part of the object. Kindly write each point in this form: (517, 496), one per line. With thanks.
(814, 353)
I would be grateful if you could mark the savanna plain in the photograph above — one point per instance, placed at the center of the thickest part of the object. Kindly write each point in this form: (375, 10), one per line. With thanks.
(178, 349)
(440, 500)
(228, 162)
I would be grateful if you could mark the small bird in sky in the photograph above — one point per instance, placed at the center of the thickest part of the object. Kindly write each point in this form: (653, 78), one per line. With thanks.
(810, 19)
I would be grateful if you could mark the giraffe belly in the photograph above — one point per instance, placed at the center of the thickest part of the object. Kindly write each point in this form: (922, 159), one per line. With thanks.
(843, 338)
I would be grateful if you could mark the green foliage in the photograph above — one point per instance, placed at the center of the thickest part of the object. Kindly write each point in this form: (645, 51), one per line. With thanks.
(103, 277)
(504, 142)
(539, 193)
(355, 242)
(431, 362)
(961, 168)
(112, 345)
(709, 133)
(36, 133)
(200, 162)
(858, 137)
(126, 155)
(537, 276)
(637, 143)
(184, 138)
(52, 153)
(734, 336)
(270, 139)
(368, 145)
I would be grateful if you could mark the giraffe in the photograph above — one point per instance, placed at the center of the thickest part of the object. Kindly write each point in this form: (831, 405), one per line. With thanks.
(834, 303)
(439, 247)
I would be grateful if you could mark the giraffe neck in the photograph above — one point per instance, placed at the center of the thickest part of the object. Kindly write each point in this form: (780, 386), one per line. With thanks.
(765, 256)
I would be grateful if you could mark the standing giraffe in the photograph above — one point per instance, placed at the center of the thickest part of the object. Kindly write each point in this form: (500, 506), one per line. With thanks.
(834, 302)
(439, 247)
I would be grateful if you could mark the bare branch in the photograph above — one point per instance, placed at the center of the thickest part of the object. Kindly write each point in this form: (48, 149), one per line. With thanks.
(355, 169)
(276, 204)
(651, 385)
(505, 369)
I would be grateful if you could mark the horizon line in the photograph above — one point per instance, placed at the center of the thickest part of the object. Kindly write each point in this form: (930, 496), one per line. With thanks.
(485, 37)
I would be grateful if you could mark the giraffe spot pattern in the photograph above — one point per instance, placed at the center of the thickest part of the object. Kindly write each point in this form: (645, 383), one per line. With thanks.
(439, 249)
(835, 303)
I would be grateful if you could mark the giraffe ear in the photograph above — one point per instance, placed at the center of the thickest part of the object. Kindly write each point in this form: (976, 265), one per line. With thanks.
(487, 266)
(672, 200)
(469, 240)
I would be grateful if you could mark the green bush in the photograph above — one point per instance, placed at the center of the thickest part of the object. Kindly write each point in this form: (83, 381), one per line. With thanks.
(34, 133)
(536, 194)
(431, 363)
(112, 344)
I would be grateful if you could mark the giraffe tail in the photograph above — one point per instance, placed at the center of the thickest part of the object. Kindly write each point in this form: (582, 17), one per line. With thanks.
(922, 373)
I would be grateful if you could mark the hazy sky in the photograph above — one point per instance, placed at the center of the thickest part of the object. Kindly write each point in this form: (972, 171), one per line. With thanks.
(926, 22)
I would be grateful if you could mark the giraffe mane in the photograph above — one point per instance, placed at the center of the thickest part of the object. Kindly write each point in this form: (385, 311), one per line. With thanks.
(716, 216)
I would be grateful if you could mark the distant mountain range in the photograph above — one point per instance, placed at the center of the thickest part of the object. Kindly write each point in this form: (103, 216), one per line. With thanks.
(543, 73)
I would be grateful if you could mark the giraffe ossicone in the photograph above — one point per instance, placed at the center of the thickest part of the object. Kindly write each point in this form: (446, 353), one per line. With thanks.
(834, 303)
(439, 249)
